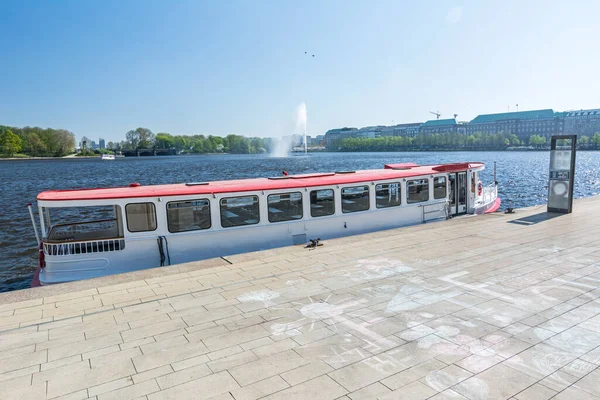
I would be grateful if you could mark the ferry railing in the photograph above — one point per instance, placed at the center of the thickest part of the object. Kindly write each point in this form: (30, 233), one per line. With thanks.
(83, 247)
(489, 193)
(83, 230)
(440, 209)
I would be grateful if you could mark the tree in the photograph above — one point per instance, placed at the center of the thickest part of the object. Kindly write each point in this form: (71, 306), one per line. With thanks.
(596, 140)
(164, 141)
(141, 138)
(147, 138)
(133, 139)
(514, 140)
(64, 142)
(33, 145)
(9, 142)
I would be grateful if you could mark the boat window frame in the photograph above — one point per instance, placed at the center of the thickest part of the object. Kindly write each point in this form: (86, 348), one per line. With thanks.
(239, 197)
(155, 217)
(399, 188)
(310, 202)
(52, 237)
(410, 183)
(350, 211)
(189, 201)
(289, 194)
(445, 186)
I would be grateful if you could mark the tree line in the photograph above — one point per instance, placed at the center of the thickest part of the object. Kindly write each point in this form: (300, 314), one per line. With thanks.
(454, 141)
(143, 138)
(36, 142)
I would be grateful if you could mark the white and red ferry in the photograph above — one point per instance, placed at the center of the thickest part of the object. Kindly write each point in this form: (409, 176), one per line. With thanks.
(89, 233)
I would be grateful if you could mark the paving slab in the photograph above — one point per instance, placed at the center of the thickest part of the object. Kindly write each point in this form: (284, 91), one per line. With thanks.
(486, 307)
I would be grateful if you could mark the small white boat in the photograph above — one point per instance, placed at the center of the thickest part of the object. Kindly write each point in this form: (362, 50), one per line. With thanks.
(107, 157)
(139, 227)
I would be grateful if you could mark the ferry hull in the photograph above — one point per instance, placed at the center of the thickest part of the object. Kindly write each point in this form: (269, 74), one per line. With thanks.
(142, 253)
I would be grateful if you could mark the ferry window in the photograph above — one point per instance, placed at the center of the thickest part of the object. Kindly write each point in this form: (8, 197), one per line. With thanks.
(239, 211)
(191, 215)
(439, 187)
(141, 217)
(417, 191)
(355, 199)
(70, 224)
(387, 195)
(321, 203)
(284, 206)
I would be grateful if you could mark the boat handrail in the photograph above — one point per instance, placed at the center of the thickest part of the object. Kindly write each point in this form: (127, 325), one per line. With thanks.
(55, 241)
(489, 193)
(84, 247)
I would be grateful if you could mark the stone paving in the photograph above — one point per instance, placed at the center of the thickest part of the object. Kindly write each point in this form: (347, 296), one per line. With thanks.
(491, 307)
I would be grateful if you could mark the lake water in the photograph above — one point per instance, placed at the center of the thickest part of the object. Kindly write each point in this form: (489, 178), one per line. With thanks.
(523, 178)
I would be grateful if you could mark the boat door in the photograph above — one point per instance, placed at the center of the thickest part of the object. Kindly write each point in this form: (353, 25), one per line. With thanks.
(458, 192)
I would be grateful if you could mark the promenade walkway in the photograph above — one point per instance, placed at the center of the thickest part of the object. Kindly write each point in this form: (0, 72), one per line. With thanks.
(491, 307)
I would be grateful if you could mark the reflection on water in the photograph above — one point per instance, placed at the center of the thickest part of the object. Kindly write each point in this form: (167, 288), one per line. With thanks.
(523, 178)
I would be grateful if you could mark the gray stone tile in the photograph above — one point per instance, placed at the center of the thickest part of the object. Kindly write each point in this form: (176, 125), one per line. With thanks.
(370, 392)
(229, 339)
(540, 361)
(168, 355)
(87, 378)
(260, 389)
(267, 367)
(306, 372)
(572, 393)
(415, 390)
(498, 382)
(232, 361)
(199, 389)
(536, 392)
(444, 378)
(590, 383)
(321, 388)
(575, 340)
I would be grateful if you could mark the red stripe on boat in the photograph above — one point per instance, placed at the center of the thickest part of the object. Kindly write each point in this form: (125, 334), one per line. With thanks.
(258, 184)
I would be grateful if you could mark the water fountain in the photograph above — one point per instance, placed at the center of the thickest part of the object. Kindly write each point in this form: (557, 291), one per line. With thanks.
(284, 145)
(301, 122)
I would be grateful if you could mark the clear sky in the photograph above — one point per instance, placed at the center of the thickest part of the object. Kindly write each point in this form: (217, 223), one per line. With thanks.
(101, 68)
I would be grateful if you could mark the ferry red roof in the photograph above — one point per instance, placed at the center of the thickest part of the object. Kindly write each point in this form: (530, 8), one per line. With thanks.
(391, 171)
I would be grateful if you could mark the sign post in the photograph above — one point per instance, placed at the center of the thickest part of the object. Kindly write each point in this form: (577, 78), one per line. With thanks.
(562, 173)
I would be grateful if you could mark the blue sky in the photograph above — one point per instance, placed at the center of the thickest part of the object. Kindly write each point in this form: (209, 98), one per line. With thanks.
(101, 68)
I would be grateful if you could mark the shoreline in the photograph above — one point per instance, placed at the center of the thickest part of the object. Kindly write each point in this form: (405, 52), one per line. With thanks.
(72, 157)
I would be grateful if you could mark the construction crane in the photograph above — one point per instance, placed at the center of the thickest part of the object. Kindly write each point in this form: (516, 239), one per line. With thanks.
(437, 114)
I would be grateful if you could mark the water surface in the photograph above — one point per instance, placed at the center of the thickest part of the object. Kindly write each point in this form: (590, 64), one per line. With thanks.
(523, 178)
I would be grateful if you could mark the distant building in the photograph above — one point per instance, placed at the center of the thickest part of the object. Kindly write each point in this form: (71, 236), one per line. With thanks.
(543, 122)
(369, 132)
(93, 145)
(408, 130)
(334, 136)
(294, 140)
(102, 143)
(442, 126)
(582, 122)
(521, 123)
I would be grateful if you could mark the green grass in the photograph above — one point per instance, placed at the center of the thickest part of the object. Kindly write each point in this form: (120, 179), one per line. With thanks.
(19, 155)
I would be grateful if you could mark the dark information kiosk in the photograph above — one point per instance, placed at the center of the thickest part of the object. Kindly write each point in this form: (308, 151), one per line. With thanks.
(562, 173)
